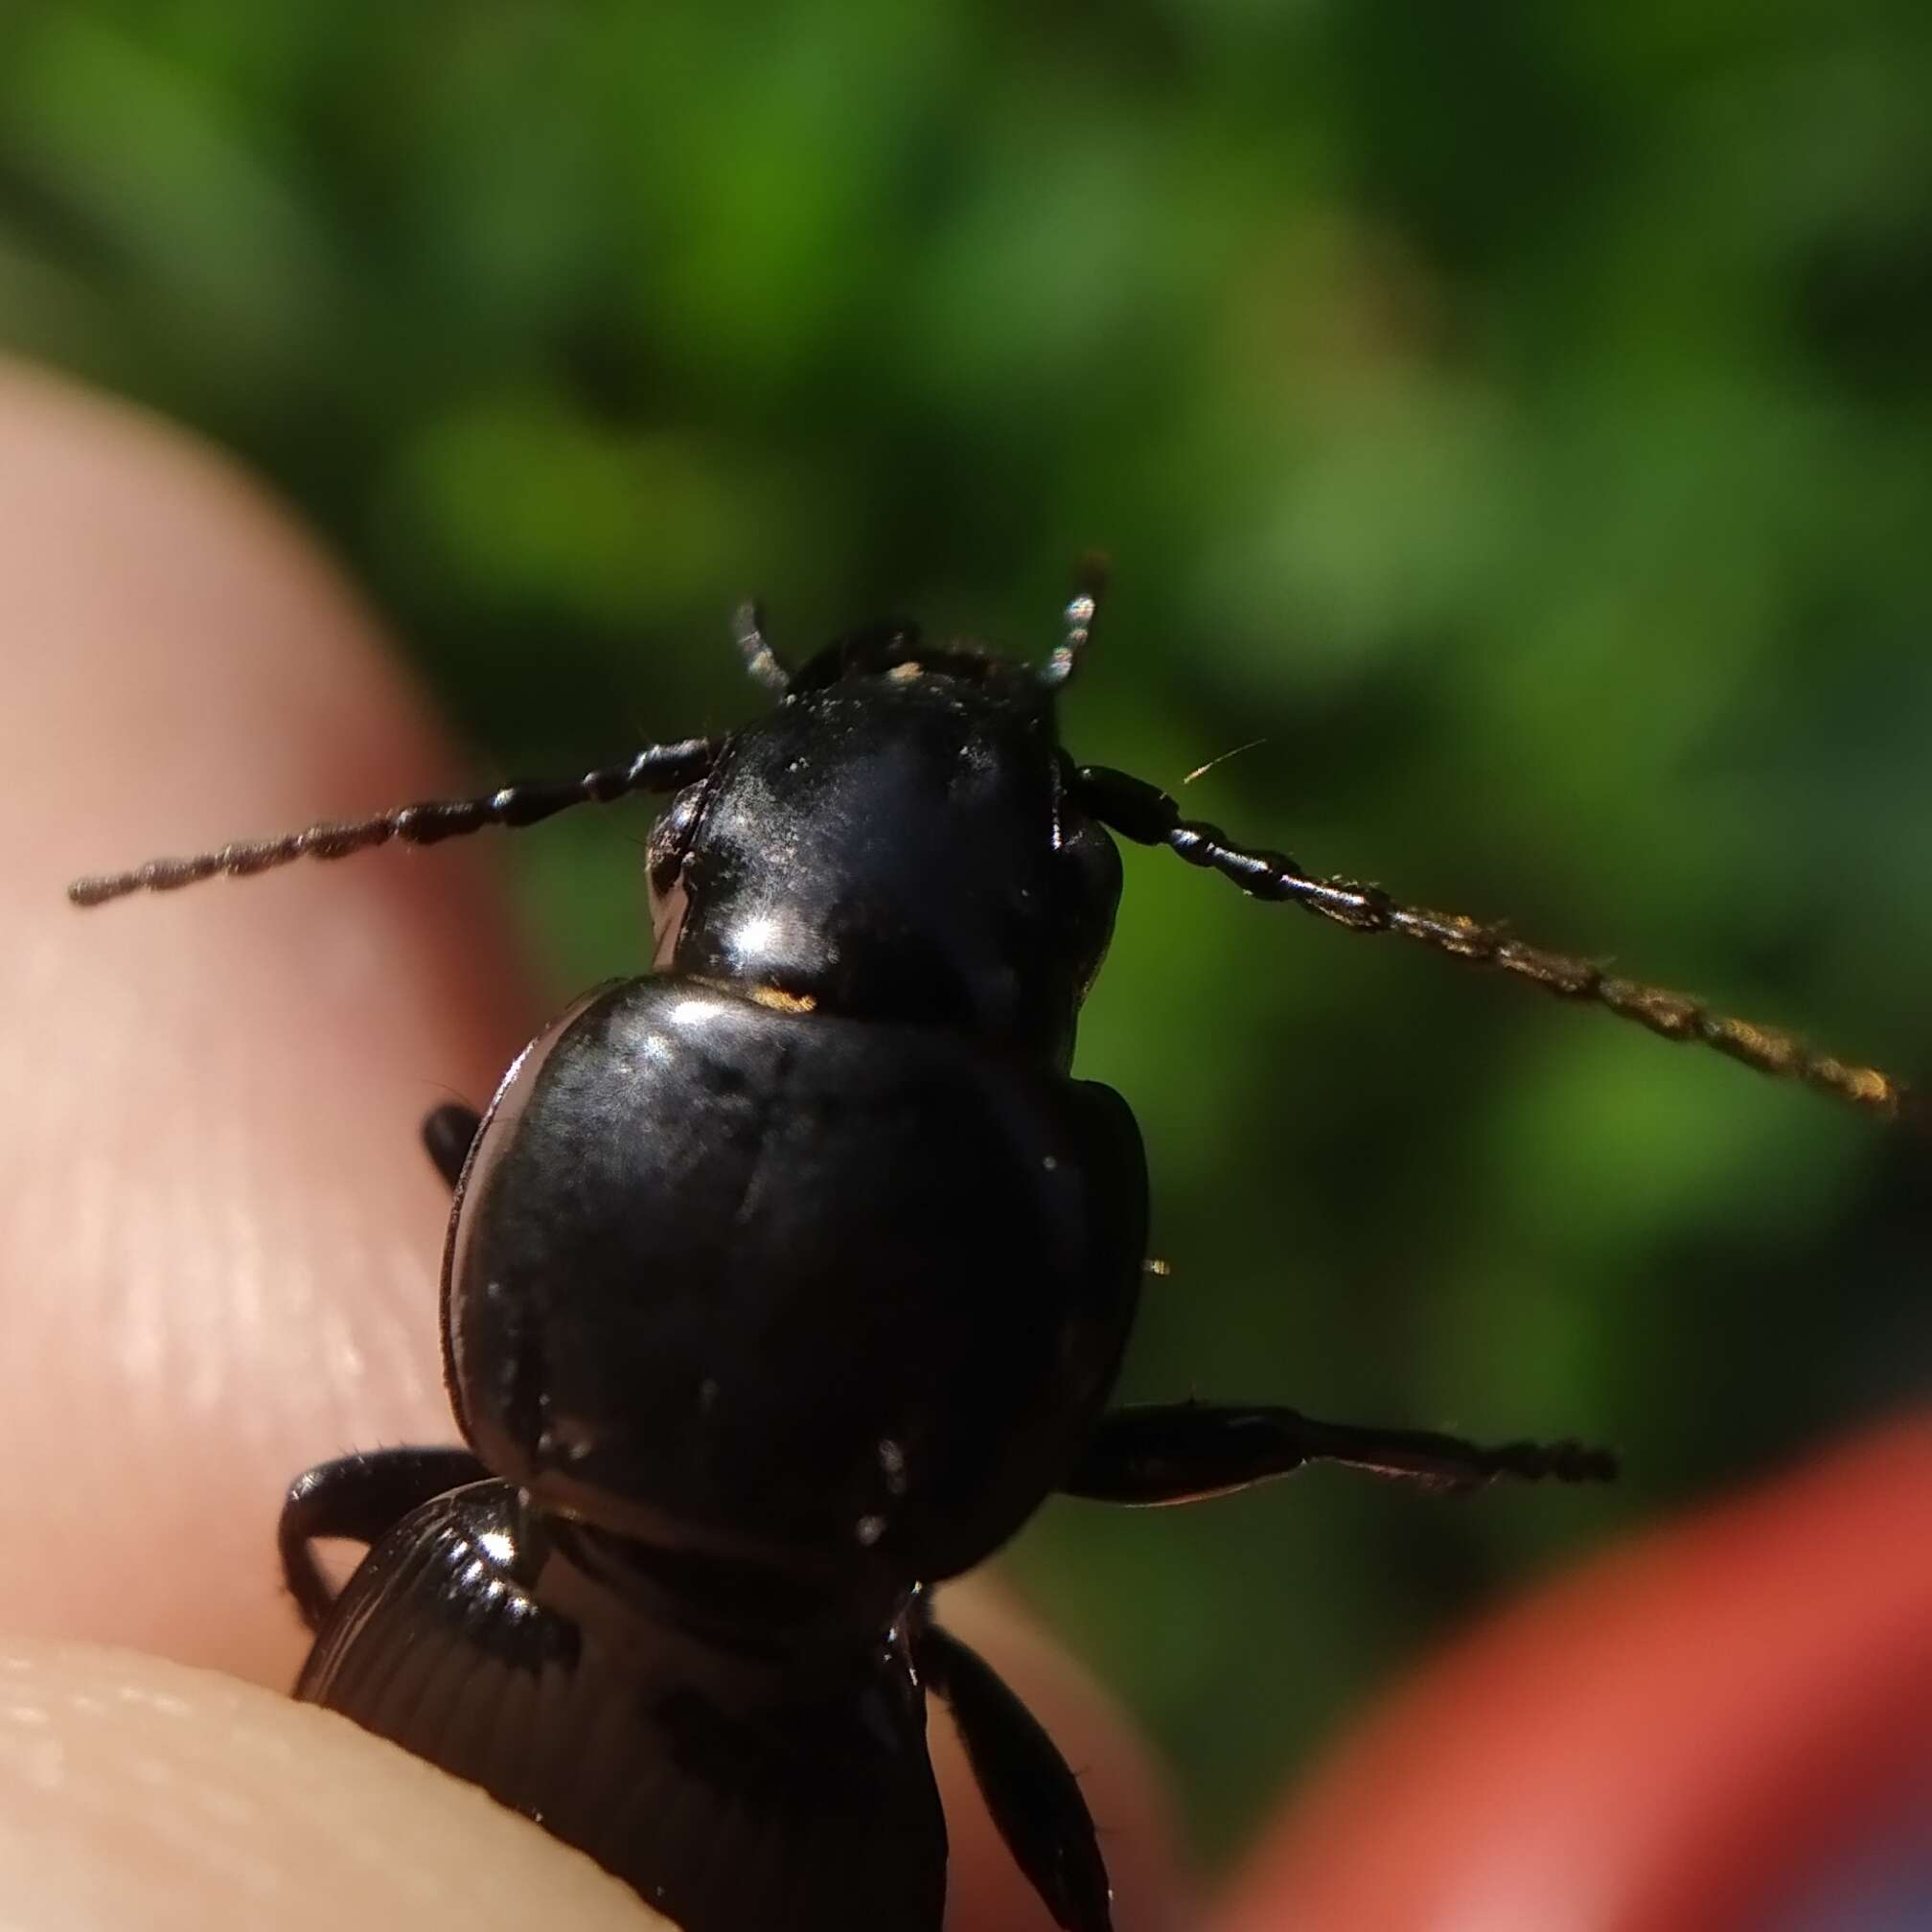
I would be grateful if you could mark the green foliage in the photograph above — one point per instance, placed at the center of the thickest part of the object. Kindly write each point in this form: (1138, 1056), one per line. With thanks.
(1515, 415)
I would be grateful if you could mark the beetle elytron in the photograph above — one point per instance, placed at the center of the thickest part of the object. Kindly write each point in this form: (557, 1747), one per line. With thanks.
(787, 1282)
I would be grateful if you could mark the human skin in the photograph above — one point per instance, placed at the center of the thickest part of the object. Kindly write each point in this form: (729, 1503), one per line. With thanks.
(219, 1238)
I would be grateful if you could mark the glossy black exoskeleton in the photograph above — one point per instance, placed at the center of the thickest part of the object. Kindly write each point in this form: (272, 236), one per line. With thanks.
(786, 1284)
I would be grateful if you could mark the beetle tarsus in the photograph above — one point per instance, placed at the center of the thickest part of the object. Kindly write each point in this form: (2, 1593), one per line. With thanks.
(1188, 1452)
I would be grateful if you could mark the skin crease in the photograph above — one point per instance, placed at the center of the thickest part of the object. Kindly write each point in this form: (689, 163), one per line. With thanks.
(219, 1237)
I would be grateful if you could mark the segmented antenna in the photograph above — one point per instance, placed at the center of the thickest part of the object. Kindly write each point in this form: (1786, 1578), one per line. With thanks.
(747, 627)
(1091, 581)
(1148, 815)
(659, 768)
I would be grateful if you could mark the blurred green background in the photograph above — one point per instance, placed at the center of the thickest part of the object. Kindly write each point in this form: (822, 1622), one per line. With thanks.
(1517, 417)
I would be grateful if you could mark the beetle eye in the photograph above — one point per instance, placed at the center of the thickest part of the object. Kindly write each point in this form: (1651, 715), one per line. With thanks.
(670, 839)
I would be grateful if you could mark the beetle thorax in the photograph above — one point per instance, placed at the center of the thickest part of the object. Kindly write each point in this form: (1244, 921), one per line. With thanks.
(898, 847)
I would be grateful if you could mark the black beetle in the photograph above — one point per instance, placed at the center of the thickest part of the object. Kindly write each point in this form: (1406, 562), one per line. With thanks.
(787, 1282)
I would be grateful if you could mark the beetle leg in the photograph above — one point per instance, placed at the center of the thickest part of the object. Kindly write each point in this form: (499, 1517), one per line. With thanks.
(1034, 1798)
(360, 1498)
(1185, 1452)
(446, 1135)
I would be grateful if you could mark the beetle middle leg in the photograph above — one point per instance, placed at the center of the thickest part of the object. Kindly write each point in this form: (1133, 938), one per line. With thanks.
(360, 1499)
(1185, 1452)
(1028, 1787)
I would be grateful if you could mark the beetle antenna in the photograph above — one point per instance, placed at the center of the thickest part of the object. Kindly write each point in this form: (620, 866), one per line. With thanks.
(1146, 814)
(747, 627)
(1084, 607)
(659, 768)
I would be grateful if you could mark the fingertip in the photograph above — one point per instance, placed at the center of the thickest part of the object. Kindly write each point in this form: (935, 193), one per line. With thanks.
(139, 1792)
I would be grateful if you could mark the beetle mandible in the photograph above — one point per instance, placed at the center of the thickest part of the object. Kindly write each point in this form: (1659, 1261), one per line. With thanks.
(785, 1284)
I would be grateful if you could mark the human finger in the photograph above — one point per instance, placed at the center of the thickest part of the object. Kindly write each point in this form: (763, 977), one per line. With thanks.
(138, 1792)
(221, 1243)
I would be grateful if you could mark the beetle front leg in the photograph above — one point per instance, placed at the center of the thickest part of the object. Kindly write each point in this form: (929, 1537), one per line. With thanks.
(1034, 1798)
(360, 1499)
(1186, 1452)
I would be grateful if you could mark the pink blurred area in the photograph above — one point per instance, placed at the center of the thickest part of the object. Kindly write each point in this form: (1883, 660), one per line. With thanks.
(1702, 1732)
